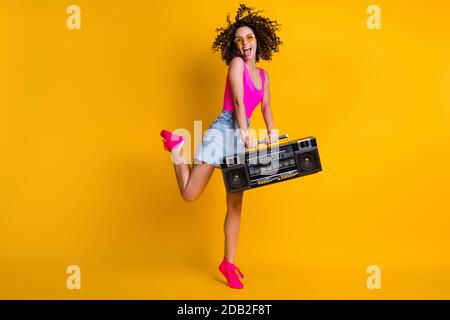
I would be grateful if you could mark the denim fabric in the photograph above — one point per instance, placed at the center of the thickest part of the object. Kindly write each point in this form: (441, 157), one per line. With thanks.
(222, 138)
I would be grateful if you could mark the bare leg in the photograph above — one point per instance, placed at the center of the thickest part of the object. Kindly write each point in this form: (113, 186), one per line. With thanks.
(191, 181)
(232, 223)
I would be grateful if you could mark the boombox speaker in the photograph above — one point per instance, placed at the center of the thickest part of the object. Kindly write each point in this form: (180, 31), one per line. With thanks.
(308, 162)
(236, 178)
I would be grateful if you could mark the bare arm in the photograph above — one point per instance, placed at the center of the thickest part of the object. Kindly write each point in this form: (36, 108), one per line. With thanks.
(266, 110)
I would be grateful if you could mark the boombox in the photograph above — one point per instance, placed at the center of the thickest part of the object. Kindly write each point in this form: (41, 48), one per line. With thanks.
(260, 167)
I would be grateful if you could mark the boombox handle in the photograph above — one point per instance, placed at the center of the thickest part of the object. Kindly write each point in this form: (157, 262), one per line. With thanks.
(283, 136)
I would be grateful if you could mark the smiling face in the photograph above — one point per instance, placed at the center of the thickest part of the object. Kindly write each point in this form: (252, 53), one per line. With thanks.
(245, 41)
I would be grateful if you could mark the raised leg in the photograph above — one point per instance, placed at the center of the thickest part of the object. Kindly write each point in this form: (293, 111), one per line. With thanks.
(191, 181)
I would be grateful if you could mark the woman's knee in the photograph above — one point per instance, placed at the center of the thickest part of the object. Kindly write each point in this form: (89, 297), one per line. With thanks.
(234, 206)
(234, 202)
(189, 195)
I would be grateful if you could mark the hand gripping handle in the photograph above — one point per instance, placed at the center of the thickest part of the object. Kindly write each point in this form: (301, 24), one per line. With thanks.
(283, 136)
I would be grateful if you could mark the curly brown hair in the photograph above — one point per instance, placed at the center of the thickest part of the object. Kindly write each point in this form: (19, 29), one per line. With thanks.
(263, 28)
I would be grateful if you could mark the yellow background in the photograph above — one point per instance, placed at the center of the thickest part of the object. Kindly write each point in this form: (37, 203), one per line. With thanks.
(84, 180)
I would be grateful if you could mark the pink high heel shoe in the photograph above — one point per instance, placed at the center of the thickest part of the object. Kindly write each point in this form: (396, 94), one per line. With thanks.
(232, 274)
(171, 141)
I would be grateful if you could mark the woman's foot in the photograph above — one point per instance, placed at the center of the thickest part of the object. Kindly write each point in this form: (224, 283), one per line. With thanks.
(171, 141)
(232, 274)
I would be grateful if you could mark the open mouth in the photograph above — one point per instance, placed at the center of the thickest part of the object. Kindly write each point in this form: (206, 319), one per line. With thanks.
(248, 51)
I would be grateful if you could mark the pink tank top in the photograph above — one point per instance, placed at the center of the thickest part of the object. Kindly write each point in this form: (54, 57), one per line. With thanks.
(252, 95)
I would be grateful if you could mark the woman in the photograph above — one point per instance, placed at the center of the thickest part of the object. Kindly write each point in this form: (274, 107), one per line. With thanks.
(242, 43)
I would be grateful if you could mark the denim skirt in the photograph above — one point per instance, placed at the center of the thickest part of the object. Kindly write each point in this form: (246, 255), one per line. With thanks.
(223, 138)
